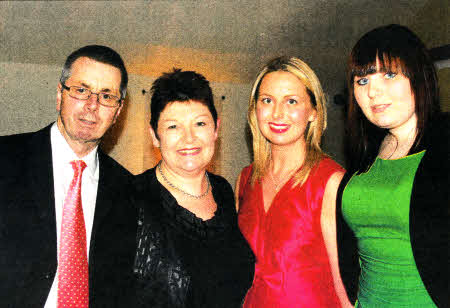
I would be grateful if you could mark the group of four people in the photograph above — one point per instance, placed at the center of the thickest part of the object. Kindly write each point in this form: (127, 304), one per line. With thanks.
(300, 232)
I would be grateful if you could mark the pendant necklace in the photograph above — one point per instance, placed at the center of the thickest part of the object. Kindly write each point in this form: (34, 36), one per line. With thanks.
(281, 183)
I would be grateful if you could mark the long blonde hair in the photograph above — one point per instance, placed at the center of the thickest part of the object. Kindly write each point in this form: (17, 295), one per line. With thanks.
(261, 146)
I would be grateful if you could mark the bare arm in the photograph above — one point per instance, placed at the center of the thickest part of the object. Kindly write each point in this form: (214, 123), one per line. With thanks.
(236, 191)
(328, 225)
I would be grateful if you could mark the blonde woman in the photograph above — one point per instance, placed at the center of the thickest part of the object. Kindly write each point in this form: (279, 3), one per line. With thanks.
(286, 197)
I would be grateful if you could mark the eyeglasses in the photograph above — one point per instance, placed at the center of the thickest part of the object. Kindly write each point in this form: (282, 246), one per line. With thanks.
(105, 99)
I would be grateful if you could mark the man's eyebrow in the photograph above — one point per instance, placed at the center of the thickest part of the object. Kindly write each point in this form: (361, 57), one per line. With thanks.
(102, 90)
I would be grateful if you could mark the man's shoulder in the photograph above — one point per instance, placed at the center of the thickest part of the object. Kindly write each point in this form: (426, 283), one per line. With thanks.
(21, 138)
(112, 169)
(16, 140)
(17, 145)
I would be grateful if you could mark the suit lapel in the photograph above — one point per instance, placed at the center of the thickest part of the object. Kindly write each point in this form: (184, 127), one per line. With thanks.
(40, 223)
(104, 202)
(40, 170)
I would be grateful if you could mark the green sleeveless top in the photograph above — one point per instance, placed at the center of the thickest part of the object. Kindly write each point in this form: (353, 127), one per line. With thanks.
(375, 205)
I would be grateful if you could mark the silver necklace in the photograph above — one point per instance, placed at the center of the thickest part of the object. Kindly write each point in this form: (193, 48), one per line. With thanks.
(182, 191)
(273, 181)
(281, 183)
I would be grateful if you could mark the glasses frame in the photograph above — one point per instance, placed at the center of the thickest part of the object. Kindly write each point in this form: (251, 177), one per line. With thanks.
(119, 101)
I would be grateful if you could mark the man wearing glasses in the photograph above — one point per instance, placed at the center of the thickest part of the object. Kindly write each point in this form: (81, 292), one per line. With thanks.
(67, 227)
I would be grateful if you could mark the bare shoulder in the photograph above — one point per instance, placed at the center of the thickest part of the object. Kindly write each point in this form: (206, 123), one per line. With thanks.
(334, 180)
(329, 197)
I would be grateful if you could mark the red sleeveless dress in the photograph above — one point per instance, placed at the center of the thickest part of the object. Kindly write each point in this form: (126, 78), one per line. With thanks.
(292, 267)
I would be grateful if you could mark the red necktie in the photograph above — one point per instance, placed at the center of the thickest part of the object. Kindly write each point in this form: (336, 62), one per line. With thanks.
(73, 279)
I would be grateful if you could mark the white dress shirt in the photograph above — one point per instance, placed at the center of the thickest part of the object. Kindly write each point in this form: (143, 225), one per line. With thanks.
(62, 155)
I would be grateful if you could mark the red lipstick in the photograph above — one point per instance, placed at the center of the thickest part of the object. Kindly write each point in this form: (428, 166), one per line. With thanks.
(278, 128)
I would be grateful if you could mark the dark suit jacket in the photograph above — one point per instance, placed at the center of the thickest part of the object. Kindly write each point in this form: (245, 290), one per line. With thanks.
(28, 253)
(429, 219)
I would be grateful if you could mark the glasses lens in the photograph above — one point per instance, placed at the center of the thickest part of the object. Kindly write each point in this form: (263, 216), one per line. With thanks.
(79, 92)
(108, 100)
(105, 99)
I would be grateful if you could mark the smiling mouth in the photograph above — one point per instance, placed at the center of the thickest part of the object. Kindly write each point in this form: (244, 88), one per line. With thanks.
(190, 151)
(278, 128)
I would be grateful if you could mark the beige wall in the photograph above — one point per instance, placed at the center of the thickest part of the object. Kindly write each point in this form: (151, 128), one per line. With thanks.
(29, 35)
(27, 96)
(432, 24)
(29, 102)
(29, 93)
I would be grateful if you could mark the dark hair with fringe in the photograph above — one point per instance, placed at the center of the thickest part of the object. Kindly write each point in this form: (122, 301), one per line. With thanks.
(398, 49)
(180, 86)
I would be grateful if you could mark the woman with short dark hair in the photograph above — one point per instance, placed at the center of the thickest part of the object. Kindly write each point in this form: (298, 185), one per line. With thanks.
(190, 251)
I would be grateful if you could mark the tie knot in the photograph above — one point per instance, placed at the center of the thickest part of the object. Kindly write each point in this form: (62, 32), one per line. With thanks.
(78, 166)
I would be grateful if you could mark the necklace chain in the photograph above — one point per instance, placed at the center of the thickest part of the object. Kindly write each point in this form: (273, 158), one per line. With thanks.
(273, 180)
(281, 183)
(182, 191)
(403, 148)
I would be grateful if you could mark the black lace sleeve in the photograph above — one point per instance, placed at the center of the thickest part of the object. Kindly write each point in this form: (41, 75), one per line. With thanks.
(162, 280)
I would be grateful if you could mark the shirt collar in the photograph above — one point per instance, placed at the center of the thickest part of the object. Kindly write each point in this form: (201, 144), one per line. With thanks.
(63, 153)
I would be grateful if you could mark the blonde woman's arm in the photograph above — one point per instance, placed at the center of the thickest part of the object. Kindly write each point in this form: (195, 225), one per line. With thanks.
(328, 225)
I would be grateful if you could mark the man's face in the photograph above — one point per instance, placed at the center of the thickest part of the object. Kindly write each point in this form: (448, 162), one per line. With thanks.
(84, 122)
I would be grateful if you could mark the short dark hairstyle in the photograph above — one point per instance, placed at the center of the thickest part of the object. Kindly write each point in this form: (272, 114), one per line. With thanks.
(180, 86)
(101, 54)
(398, 49)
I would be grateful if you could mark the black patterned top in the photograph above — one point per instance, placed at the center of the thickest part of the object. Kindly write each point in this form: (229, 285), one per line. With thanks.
(184, 261)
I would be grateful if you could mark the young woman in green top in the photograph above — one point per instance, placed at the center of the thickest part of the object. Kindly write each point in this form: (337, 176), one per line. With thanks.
(394, 199)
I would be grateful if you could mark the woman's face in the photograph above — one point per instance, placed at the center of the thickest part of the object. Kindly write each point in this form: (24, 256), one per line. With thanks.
(386, 99)
(187, 134)
(283, 109)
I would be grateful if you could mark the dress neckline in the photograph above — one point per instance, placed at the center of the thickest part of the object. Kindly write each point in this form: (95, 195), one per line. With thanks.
(180, 217)
(401, 158)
